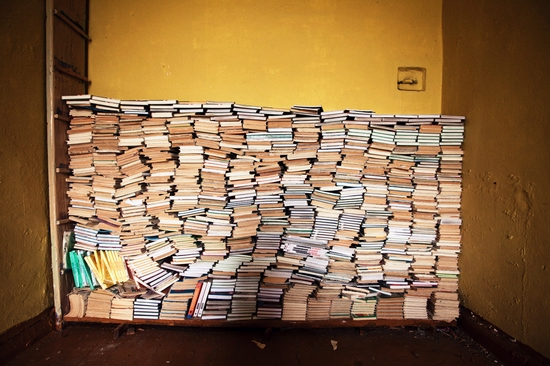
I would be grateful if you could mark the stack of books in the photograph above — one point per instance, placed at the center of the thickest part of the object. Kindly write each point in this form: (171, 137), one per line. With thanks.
(363, 309)
(295, 301)
(276, 211)
(243, 302)
(122, 308)
(269, 302)
(176, 303)
(218, 301)
(78, 300)
(415, 304)
(340, 308)
(318, 309)
(390, 307)
(443, 305)
(147, 308)
(364, 302)
(322, 306)
(99, 304)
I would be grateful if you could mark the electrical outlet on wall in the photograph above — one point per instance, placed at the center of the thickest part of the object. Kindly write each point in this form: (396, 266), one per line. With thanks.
(411, 78)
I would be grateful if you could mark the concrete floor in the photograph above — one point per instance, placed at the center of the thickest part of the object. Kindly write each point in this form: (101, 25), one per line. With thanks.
(95, 345)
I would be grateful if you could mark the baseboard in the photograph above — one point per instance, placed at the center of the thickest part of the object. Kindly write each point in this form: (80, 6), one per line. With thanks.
(20, 336)
(508, 350)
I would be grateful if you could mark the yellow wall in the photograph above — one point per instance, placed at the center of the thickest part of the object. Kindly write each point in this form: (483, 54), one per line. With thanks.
(340, 54)
(24, 255)
(496, 72)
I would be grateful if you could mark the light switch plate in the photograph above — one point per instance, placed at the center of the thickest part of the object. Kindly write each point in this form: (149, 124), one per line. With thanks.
(411, 78)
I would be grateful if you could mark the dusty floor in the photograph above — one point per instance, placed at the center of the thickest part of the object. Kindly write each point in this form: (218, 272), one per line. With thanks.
(95, 345)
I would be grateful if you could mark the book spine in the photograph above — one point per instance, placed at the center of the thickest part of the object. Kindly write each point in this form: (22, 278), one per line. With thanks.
(202, 302)
(85, 271)
(75, 268)
(194, 300)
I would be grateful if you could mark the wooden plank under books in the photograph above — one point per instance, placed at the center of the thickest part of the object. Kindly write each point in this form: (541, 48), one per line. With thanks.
(341, 323)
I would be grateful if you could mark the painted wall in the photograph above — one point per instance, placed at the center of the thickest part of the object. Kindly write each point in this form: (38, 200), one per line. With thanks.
(339, 54)
(25, 254)
(496, 72)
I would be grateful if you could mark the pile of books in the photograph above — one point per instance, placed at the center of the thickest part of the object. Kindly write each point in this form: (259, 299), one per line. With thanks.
(219, 210)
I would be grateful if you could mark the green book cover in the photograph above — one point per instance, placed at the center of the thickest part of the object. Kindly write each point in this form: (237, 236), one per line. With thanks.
(86, 271)
(73, 260)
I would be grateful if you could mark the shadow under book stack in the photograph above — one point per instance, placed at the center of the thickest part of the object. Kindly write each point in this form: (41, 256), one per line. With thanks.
(218, 210)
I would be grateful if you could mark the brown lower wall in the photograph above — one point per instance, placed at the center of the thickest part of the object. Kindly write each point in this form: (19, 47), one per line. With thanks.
(507, 349)
(19, 337)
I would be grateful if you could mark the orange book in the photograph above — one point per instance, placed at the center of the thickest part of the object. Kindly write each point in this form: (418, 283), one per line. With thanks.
(194, 300)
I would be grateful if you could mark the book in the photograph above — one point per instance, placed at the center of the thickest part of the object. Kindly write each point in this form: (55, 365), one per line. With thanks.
(201, 302)
(195, 299)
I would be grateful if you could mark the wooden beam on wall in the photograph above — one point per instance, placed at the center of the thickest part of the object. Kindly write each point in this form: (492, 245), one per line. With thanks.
(50, 120)
(71, 24)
